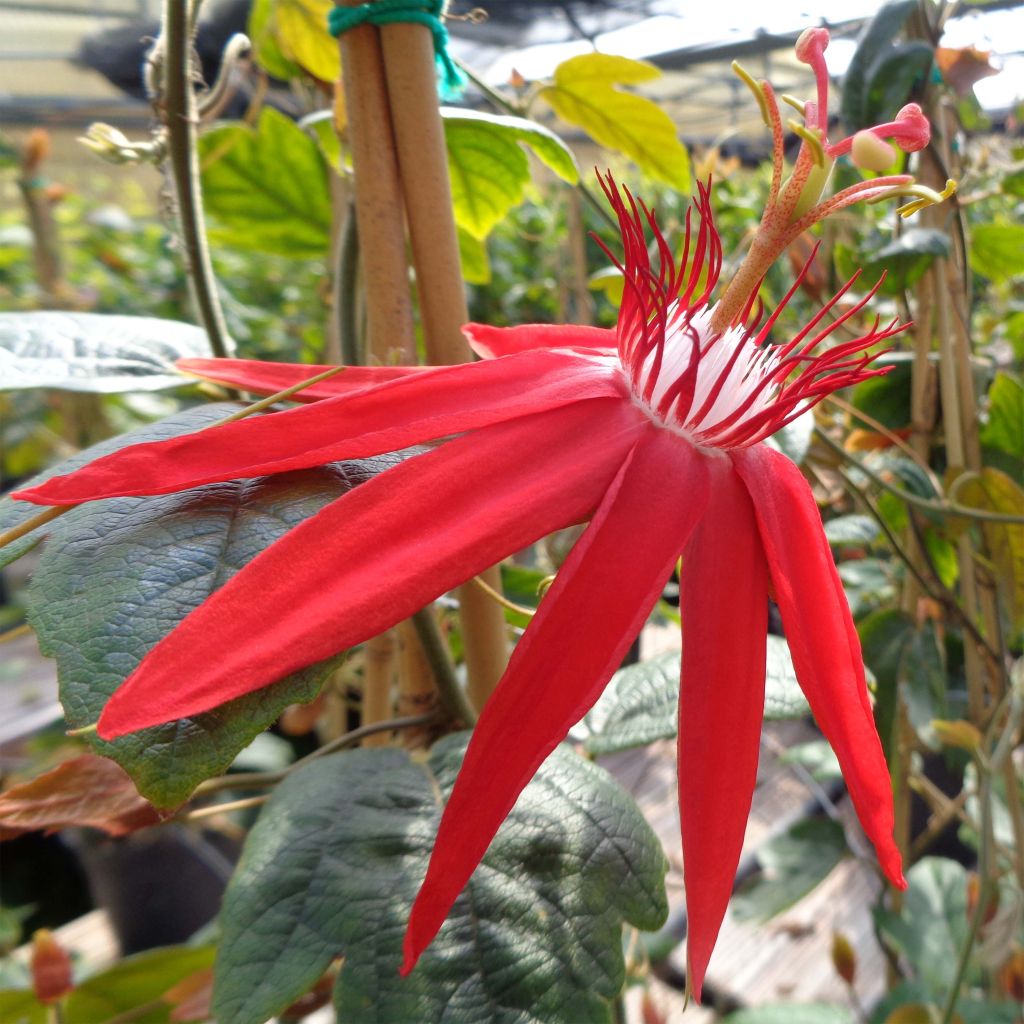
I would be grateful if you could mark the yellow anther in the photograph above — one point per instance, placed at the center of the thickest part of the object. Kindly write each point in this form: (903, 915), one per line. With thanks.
(757, 88)
(925, 197)
(798, 105)
(812, 138)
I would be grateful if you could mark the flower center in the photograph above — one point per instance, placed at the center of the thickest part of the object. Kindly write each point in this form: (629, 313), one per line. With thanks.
(731, 377)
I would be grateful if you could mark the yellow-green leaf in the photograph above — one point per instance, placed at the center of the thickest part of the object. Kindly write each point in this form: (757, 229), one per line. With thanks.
(303, 37)
(488, 166)
(266, 46)
(584, 93)
(476, 267)
(993, 490)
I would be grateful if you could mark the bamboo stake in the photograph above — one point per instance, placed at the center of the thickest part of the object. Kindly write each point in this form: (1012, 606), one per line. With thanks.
(378, 197)
(412, 89)
(378, 674)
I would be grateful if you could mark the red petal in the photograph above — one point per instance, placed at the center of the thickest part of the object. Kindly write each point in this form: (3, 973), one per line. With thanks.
(822, 637)
(374, 556)
(489, 342)
(442, 401)
(264, 378)
(724, 606)
(585, 624)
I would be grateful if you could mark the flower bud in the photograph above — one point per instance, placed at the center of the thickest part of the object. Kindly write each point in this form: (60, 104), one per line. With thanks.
(844, 957)
(913, 131)
(37, 149)
(51, 968)
(870, 152)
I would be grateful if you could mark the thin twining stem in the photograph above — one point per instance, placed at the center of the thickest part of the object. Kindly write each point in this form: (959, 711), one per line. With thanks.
(262, 780)
(949, 508)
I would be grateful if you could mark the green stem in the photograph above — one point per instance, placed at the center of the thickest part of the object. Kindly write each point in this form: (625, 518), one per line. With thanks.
(262, 780)
(451, 693)
(180, 117)
(345, 293)
(942, 507)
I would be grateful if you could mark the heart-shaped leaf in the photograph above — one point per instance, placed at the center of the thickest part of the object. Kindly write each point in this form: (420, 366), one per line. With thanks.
(118, 575)
(333, 864)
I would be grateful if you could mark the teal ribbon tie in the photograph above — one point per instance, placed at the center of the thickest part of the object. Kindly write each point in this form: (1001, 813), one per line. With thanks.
(451, 80)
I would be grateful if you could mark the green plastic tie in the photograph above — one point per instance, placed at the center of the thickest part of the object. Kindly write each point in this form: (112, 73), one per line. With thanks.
(451, 80)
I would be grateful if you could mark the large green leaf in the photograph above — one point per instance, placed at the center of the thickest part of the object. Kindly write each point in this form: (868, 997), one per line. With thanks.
(488, 165)
(905, 259)
(95, 352)
(852, 531)
(333, 864)
(118, 575)
(639, 704)
(266, 189)
(584, 93)
(931, 928)
(792, 865)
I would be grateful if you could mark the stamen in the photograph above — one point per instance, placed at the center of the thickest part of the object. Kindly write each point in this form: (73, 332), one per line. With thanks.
(757, 88)
(812, 138)
(926, 197)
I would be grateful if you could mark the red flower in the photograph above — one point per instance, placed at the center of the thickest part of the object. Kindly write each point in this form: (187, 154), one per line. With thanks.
(653, 433)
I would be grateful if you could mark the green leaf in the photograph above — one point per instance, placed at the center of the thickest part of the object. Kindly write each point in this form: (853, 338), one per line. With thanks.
(488, 165)
(639, 704)
(852, 531)
(887, 398)
(476, 266)
(95, 352)
(792, 865)
(135, 982)
(816, 757)
(894, 76)
(867, 583)
(301, 33)
(20, 1006)
(120, 574)
(997, 251)
(791, 1013)
(1004, 429)
(876, 39)
(333, 864)
(637, 707)
(932, 926)
(266, 188)
(884, 635)
(584, 94)
(263, 32)
(905, 259)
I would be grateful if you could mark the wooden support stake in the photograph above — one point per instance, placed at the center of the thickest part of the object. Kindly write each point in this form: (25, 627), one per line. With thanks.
(423, 162)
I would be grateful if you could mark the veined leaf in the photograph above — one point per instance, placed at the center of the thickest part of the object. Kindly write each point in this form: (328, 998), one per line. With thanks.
(95, 352)
(639, 704)
(997, 251)
(121, 573)
(585, 93)
(488, 165)
(1005, 427)
(263, 31)
(333, 864)
(266, 188)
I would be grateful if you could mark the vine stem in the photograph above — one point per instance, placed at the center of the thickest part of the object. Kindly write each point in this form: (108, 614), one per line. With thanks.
(181, 117)
(259, 780)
